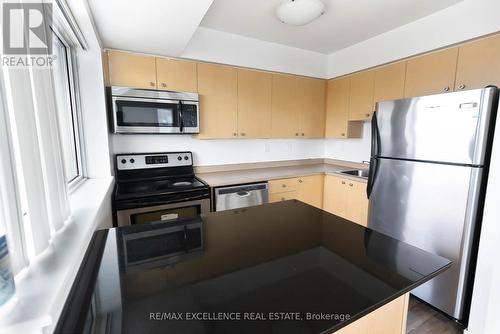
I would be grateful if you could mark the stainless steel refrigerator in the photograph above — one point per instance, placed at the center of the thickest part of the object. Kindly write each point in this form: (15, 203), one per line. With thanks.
(427, 181)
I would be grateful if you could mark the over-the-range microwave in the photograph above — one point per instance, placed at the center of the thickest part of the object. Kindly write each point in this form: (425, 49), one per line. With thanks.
(152, 111)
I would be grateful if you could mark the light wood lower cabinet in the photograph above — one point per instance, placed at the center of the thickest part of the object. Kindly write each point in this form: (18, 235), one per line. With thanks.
(346, 198)
(308, 189)
(388, 319)
(218, 89)
(431, 74)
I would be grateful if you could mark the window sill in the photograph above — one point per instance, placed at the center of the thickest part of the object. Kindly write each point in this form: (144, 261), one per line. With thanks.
(42, 288)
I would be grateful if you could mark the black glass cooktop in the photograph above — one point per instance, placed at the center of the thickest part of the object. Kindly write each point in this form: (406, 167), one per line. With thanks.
(260, 269)
(155, 187)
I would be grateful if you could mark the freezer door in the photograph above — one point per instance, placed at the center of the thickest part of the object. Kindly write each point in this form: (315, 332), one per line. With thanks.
(433, 207)
(449, 127)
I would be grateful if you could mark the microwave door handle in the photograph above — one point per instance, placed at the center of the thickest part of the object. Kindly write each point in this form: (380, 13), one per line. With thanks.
(181, 120)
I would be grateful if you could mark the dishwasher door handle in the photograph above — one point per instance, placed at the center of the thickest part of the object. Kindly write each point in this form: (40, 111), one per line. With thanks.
(243, 193)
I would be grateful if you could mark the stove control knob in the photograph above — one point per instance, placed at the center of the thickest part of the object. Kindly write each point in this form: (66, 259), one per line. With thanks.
(124, 161)
(179, 158)
(186, 157)
(132, 161)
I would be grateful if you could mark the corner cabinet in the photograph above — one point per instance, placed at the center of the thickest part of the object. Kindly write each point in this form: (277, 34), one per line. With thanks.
(346, 198)
(337, 110)
(131, 70)
(218, 89)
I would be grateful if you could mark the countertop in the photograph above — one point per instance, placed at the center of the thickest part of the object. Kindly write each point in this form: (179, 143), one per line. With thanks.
(261, 174)
(272, 263)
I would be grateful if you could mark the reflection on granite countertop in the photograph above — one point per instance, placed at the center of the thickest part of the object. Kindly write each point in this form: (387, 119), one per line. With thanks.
(285, 257)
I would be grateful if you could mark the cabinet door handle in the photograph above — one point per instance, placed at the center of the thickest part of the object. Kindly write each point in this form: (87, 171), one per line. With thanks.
(283, 185)
(152, 83)
(296, 134)
(367, 115)
(342, 134)
(343, 182)
(300, 181)
(243, 134)
(350, 184)
(235, 134)
(302, 134)
(282, 198)
(446, 89)
(163, 84)
(462, 86)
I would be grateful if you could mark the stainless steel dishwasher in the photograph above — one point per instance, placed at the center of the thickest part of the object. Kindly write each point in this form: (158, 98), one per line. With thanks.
(241, 196)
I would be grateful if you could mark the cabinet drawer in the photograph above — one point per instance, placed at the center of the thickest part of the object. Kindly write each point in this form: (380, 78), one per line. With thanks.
(284, 196)
(282, 185)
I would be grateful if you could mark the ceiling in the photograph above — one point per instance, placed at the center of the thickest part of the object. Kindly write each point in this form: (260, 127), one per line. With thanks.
(150, 26)
(345, 22)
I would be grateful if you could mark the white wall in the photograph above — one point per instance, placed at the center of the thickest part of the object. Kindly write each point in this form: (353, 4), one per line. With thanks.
(215, 152)
(463, 21)
(356, 150)
(485, 306)
(221, 47)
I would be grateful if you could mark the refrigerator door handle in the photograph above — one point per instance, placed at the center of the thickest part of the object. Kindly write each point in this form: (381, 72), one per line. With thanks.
(375, 150)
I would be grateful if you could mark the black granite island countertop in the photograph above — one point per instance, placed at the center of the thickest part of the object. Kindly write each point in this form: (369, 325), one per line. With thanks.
(263, 269)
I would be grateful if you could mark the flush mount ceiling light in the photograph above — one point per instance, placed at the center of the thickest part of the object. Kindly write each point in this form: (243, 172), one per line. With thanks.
(299, 12)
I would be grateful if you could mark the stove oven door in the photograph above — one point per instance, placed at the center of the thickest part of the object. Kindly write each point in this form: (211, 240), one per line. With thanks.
(164, 212)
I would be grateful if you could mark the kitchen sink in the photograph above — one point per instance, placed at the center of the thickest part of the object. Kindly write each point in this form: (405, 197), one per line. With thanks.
(356, 172)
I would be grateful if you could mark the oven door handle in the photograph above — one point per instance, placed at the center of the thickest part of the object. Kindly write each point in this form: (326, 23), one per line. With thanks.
(154, 203)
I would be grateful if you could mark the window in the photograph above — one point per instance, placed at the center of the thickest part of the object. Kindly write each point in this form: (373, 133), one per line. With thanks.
(67, 109)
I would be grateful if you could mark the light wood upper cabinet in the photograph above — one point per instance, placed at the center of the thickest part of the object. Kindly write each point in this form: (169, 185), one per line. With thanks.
(285, 110)
(389, 82)
(361, 95)
(431, 74)
(254, 104)
(357, 202)
(310, 190)
(479, 64)
(176, 75)
(131, 70)
(217, 86)
(312, 108)
(337, 111)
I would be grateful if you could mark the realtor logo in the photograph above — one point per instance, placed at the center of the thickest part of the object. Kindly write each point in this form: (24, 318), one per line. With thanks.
(25, 28)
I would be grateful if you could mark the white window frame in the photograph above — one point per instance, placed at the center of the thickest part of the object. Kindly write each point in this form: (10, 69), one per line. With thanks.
(70, 41)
